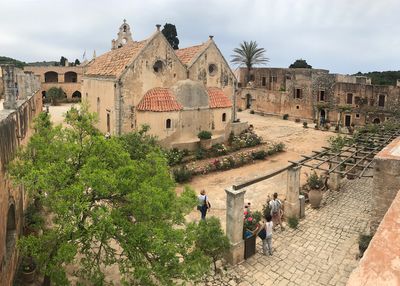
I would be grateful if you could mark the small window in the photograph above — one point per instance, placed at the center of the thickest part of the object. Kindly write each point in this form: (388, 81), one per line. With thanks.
(297, 107)
(288, 77)
(263, 81)
(252, 77)
(381, 101)
(298, 93)
(357, 115)
(124, 28)
(158, 66)
(223, 117)
(322, 95)
(168, 124)
(108, 123)
(349, 99)
(212, 69)
(273, 79)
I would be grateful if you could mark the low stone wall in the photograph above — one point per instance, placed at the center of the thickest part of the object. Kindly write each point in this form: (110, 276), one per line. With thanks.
(386, 181)
(15, 130)
(380, 264)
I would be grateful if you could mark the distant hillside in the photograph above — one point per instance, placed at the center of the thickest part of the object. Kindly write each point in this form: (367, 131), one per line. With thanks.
(51, 63)
(382, 78)
(17, 63)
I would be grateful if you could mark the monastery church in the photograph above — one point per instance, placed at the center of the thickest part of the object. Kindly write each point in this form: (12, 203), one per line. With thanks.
(176, 92)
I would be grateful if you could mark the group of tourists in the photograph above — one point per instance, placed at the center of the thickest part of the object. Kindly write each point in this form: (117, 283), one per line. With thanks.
(273, 218)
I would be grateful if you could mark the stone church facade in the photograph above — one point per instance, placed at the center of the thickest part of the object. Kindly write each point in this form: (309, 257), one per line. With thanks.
(176, 92)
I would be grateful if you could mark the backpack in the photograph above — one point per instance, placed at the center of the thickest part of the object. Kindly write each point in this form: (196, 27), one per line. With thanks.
(275, 206)
(262, 234)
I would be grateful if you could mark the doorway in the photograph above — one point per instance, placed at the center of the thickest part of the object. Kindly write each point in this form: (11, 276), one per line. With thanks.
(347, 120)
(248, 101)
(376, 121)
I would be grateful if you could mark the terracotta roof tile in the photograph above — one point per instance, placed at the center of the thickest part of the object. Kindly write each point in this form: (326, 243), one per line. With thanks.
(218, 99)
(186, 55)
(159, 99)
(114, 62)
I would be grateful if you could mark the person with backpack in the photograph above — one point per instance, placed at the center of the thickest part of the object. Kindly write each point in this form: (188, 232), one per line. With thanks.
(276, 211)
(203, 204)
(265, 233)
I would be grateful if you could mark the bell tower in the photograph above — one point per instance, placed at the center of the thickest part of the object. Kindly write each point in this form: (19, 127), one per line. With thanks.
(124, 36)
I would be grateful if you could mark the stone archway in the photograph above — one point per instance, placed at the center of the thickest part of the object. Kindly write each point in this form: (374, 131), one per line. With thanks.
(70, 77)
(77, 95)
(51, 76)
(376, 121)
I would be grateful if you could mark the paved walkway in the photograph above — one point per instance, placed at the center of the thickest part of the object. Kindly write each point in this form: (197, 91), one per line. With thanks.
(322, 251)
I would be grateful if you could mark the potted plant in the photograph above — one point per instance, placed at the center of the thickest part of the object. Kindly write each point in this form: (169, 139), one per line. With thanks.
(28, 269)
(205, 139)
(33, 220)
(251, 223)
(315, 183)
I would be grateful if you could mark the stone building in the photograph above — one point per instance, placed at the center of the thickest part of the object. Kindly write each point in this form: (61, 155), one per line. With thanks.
(69, 78)
(16, 115)
(177, 92)
(315, 94)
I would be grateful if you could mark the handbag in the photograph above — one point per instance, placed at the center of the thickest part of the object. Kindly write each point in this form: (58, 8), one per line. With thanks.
(262, 234)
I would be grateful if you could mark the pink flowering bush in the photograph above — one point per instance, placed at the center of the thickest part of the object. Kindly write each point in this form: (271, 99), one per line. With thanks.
(251, 220)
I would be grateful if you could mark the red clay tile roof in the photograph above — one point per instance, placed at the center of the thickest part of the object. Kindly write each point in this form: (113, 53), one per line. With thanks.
(186, 55)
(159, 99)
(218, 99)
(114, 62)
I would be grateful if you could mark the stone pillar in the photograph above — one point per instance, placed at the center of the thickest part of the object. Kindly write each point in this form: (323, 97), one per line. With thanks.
(22, 82)
(334, 179)
(292, 203)
(386, 183)
(234, 224)
(28, 84)
(10, 96)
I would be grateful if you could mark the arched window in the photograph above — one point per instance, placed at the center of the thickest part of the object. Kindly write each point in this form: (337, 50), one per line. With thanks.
(168, 124)
(51, 77)
(77, 94)
(11, 231)
(223, 117)
(212, 69)
(70, 77)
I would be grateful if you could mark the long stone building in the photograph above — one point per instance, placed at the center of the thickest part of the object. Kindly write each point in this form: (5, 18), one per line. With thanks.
(317, 95)
(22, 102)
(69, 78)
(177, 92)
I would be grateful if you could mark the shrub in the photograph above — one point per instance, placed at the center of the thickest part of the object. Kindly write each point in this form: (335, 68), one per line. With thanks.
(266, 210)
(314, 181)
(182, 174)
(259, 155)
(240, 110)
(231, 137)
(219, 149)
(305, 124)
(252, 139)
(297, 120)
(175, 156)
(252, 111)
(278, 147)
(293, 222)
(200, 154)
(363, 242)
(285, 116)
(55, 95)
(204, 134)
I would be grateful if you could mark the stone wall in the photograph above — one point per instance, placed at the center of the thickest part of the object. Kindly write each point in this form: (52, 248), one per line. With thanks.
(14, 131)
(386, 181)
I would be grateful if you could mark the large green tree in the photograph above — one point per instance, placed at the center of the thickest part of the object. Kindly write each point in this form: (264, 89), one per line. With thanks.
(106, 205)
(169, 31)
(55, 94)
(249, 55)
(300, 63)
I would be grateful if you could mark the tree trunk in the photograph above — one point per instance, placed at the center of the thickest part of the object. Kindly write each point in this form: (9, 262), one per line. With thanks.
(248, 75)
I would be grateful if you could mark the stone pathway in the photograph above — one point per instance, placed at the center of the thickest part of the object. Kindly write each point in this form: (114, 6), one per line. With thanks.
(322, 251)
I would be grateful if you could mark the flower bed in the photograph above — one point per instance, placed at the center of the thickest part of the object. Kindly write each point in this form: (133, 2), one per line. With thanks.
(235, 160)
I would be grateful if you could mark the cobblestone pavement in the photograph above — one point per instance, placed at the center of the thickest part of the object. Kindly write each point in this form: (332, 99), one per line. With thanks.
(321, 251)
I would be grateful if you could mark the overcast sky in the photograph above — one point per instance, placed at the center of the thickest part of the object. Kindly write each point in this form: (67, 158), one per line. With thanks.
(344, 36)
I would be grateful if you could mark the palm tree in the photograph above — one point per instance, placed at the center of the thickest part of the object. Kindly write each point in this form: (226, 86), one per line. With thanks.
(249, 55)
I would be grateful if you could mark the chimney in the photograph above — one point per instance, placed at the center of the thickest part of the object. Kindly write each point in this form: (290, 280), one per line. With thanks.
(158, 27)
(10, 91)
(211, 37)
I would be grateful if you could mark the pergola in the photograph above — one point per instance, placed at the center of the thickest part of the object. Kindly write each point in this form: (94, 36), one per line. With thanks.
(355, 157)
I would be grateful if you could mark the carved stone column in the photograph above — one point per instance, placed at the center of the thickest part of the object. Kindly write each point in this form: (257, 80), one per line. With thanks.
(292, 203)
(234, 224)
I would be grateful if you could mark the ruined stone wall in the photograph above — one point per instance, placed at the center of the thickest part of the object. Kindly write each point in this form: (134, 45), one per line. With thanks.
(15, 130)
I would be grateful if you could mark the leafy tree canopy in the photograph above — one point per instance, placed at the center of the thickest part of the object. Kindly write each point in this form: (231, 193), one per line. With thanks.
(382, 78)
(169, 31)
(7, 60)
(300, 63)
(55, 94)
(63, 61)
(108, 205)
